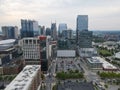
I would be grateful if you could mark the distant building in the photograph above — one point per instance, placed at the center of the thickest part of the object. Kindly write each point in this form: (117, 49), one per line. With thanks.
(10, 32)
(61, 27)
(8, 51)
(42, 30)
(64, 34)
(54, 31)
(48, 32)
(31, 50)
(94, 63)
(11, 61)
(29, 28)
(70, 34)
(44, 52)
(106, 66)
(27, 79)
(85, 39)
(87, 52)
(82, 24)
(67, 34)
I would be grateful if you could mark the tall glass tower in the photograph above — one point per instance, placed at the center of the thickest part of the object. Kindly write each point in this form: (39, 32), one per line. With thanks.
(29, 28)
(82, 24)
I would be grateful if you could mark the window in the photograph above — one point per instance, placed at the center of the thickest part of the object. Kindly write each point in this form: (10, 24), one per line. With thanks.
(26, 41)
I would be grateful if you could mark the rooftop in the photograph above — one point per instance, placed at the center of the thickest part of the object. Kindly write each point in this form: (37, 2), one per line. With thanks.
(106, 65)
(24, 78)
(93, 60)
(75, 86)
(117, 55)
(8, 41)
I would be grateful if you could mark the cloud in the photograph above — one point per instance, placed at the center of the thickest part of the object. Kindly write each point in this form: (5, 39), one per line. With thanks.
(45, 11)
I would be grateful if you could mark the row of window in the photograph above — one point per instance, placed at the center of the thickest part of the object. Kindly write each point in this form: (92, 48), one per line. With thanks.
(31, 56)
(30, 41)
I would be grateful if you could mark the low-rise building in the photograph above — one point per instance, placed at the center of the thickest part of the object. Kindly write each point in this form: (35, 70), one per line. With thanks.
(87, 52)
(100, 63)
(27, 79)
(94, 63)
(66, 53)
(11, 61)
(117, 55)
(106, 65)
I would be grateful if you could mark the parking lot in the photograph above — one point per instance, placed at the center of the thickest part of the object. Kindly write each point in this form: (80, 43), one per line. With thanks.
(66, 64)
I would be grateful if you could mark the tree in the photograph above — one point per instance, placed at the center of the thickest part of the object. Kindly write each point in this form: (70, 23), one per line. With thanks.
(106, 86)
(76, 71)
(42, 76)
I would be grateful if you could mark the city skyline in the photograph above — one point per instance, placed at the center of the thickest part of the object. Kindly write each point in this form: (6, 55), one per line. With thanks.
(102, 15)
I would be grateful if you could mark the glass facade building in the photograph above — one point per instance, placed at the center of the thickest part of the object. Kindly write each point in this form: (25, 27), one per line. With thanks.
(29, 28)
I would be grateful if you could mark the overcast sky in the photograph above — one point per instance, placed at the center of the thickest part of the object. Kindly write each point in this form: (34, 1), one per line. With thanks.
(103, 14)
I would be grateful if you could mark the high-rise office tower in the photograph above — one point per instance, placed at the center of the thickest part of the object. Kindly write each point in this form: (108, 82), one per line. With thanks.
(82, 24)
(10, 32)
(85, 39)
(54, 31)
(61, 27)
(29, 28)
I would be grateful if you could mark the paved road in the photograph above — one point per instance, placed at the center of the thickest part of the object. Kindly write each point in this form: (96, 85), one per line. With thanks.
(89, 75)
(50, 79)
(113, 87)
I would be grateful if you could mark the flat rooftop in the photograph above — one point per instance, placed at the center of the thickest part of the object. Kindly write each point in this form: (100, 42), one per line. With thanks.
(24, 78)
(106, 65)
(75, 86)
(8, 41)
(93, 60)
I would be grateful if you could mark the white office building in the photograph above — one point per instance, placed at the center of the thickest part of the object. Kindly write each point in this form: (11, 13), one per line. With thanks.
(31, 50)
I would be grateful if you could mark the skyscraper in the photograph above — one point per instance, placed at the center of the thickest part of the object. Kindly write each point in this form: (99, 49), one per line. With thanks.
(10, 32)
(48, 32)
(82, 24)
(29, 28)
(61, 27)
(84, 37)
(54, 31)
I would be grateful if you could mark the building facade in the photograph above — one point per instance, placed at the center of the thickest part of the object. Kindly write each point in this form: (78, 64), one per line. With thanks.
(54, 31)
(82, 24)
(10, 32)
(27, 79)
(67, 34)
(11, 61)
(31, 50)
(29, 28)
(85, 39)
(44, 52)
(48, 32)
(61, 27)
(42, 30)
